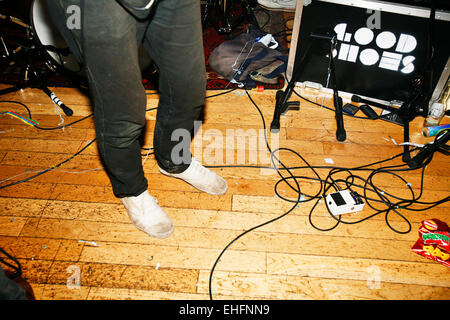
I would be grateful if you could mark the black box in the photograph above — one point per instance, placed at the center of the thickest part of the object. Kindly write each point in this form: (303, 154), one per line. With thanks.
(381, 47)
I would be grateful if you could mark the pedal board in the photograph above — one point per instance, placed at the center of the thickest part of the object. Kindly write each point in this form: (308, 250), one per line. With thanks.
(344, 201)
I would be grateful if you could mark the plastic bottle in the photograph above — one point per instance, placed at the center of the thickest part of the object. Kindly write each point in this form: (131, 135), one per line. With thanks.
(434, 130)
(437, 109)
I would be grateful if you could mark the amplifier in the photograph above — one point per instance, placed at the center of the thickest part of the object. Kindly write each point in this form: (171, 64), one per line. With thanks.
(381, 46)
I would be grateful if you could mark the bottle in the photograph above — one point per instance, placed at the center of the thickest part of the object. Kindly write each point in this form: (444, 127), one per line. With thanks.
(437, 109)
(434, 130)
(435, 114)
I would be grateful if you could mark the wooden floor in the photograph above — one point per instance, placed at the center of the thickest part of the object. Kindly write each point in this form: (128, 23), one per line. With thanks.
(67, 223)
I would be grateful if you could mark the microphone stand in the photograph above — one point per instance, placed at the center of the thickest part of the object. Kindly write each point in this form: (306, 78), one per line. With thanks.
(282, 103)
(341, 135)
(282, 97)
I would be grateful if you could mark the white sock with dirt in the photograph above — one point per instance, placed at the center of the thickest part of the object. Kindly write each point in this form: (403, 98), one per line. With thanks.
(201, 178)
(148, 216)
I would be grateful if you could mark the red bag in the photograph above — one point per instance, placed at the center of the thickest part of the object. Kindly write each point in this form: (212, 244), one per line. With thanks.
(434, 241)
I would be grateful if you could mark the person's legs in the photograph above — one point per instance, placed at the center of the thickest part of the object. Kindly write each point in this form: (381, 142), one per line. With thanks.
(175, 43)
(109, 39)
(110, 52)
(109, 46)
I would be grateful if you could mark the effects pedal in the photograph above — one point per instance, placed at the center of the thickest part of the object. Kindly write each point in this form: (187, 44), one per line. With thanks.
(350, 109)
(344, 201)
(368, 111)
(391, 117)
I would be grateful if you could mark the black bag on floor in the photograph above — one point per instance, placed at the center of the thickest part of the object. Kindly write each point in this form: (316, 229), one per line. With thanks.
(250, 57)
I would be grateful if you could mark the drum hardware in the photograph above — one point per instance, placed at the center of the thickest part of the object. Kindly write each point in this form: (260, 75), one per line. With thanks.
(33, 78)
(415, 106)
(217, 13)
(7, 53)
(46, 47)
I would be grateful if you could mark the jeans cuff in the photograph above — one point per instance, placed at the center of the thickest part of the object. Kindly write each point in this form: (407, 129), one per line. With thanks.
(169, 166)
(134, 194)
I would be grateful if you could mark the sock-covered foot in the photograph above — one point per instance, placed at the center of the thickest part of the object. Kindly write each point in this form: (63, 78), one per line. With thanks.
(201, 178)
(148, 216)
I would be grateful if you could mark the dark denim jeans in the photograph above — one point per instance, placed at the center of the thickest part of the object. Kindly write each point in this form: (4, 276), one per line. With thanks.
(108, 45)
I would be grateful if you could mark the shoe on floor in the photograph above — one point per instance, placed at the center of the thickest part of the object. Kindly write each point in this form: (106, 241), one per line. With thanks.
(278, 5)
(148, 216)
(201, 178)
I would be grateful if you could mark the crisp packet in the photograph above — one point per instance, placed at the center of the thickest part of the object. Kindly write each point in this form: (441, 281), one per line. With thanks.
(434, 241)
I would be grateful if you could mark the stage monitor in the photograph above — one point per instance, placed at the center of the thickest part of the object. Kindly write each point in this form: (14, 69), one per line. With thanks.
(381, 46)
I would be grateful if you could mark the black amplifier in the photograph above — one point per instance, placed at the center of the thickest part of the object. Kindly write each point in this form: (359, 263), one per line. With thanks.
(381, 48)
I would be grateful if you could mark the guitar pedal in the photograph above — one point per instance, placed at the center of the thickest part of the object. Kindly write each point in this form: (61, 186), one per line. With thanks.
(344, 201)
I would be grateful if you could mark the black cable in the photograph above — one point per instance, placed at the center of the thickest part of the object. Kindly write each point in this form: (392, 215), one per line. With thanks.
(19, 103)
(17, 267)
(43, 128)
(65, 161)
(273, 157)
(63, 126)
(48, 169)
(284, 179)
(325, 185)
(391, 205)
(58, 127)
(220, 94)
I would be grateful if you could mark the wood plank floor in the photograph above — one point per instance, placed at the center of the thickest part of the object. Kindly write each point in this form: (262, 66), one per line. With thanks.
(66, 224)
